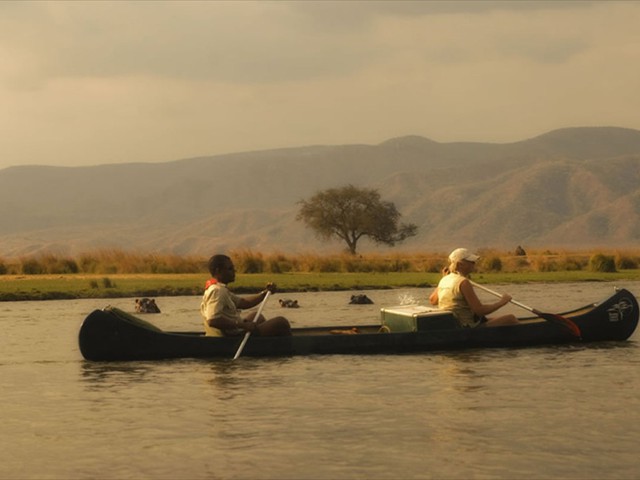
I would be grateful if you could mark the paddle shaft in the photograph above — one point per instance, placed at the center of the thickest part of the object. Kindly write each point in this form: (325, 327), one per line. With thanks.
(499, 295)
(248, 334)
(549, 317)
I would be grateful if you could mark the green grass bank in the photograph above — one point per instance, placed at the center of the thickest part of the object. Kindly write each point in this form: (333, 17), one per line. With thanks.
(73, 286)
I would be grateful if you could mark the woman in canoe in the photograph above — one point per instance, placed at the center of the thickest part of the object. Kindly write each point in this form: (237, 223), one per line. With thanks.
(220, 308)
(455, 292)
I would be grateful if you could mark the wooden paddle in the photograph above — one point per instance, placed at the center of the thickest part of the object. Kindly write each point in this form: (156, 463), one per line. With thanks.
(248, 334)
(549, 317)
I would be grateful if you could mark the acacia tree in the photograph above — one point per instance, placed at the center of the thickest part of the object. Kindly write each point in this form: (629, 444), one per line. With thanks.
(350, 213)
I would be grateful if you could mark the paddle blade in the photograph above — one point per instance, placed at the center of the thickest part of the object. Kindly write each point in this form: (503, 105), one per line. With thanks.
(565, 322)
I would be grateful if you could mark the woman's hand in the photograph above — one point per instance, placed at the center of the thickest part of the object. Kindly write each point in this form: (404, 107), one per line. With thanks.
(506, 298)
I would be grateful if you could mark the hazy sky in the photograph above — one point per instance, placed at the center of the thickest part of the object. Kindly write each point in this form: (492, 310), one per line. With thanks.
(85, 83)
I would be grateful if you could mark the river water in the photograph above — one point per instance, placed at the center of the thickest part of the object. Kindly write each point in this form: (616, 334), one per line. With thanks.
(552, 412)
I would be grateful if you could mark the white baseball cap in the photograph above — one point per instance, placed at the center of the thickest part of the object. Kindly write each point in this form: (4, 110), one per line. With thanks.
(460, 254)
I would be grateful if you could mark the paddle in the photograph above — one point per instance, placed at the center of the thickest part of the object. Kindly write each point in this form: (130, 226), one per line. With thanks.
(246, 335)
(549, 317)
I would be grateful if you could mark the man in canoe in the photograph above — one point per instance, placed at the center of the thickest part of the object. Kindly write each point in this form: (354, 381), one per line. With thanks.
(220, 307)
(455, 293)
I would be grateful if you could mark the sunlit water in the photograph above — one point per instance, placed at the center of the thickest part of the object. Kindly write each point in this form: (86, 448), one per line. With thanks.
(551, 412)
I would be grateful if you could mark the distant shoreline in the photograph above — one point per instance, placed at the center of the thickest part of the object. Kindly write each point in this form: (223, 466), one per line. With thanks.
(79, 286)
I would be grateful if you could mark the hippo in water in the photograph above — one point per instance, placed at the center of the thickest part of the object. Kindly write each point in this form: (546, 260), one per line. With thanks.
(360, 300)
(146, 305)
(288, 303)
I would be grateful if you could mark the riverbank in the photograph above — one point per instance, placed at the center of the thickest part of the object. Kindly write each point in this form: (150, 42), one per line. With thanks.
(74, 286)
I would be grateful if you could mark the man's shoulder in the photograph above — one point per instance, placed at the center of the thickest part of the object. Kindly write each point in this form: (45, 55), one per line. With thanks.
(219, 290)
(217, 287)
(214, 290)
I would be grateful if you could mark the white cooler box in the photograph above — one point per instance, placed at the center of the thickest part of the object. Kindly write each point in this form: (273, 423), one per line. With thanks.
(417, 318)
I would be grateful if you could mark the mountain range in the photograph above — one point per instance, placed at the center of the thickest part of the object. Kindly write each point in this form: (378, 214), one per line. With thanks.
(568, 188)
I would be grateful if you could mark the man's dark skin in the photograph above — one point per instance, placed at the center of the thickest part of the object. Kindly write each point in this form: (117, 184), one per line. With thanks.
(225, 273)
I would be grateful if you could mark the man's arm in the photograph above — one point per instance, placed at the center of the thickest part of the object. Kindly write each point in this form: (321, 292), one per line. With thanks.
(223, 323)
(250, 302)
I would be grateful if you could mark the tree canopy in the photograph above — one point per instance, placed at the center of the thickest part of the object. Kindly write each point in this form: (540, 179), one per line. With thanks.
(350, 213)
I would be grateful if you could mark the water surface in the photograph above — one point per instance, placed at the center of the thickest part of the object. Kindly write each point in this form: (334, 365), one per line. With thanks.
(550, 412)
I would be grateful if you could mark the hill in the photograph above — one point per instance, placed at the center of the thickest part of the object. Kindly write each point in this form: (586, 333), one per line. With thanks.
(574, 188)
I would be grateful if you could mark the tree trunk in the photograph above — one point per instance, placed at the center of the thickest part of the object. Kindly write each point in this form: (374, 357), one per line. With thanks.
(352, 246)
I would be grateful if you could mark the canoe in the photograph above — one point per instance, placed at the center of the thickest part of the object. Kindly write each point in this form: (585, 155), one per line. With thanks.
(113, 335)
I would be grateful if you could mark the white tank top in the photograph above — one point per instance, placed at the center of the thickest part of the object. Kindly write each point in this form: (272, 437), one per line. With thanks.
(451, 298)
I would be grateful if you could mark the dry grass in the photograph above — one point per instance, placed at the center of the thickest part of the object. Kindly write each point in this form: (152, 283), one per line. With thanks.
(111, 262)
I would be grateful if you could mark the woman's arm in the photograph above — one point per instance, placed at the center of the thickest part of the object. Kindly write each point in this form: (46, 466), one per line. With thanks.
(433, 298)
(476, 305)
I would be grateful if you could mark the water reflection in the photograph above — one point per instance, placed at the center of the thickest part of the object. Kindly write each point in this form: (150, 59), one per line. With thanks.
(97, 375)
(231, 378)
(224, 377)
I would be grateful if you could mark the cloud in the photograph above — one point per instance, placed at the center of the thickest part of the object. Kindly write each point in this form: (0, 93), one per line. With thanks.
(228, 42)
(328, 14)
(105, 81)
(248, 42)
